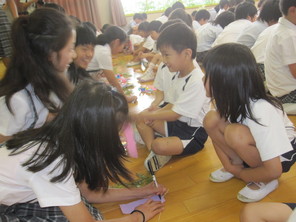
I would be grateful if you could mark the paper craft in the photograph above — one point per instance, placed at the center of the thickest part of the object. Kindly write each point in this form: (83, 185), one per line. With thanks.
(130, 140)
(129, 207)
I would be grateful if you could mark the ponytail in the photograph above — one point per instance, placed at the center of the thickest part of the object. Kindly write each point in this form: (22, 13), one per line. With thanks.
(112, 33)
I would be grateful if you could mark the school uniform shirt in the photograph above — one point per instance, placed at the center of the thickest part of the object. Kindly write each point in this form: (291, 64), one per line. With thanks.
(195, 25)
(249, 36)
(281, 52)
(275, 133)
(162, 19)
(206, 35)
(163, 81)
(189, 97)
(149, 43)
(18, 185)
(135, 39)
(22, 115)
(232, 31)
(259, 47)
(102, 58)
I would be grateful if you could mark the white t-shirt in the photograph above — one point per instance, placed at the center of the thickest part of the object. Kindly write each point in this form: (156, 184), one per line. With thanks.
(274, 135)
(189, 97)
(17, 185)
(149, 43)
(231, 32)
(206, 35)
(102, 58)
(249, 36)
(259, 47)
(163, 80)
(281, 52)
(195, 25)
(23, 114)
(162, 19)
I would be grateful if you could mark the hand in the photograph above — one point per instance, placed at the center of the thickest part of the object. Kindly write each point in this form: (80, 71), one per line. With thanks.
(131, 99)
(151, 208)
(151, 190)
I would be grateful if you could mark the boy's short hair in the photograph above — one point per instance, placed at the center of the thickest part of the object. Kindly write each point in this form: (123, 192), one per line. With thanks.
(222, 3)
(170, 22)
(178, 4)
(138, 16)
(154, 26)
(168, 11)
(286, 4)
(178, 36)
(224, 19)
(270, 11)
(202, 14)
(180, 13)
(144, 26)
(245, 9)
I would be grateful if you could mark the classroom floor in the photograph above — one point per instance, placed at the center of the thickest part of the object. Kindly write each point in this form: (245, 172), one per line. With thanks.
(192, 196)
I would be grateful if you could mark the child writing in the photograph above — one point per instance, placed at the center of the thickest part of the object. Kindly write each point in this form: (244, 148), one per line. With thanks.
(68, 159)
(84, 48)
(180, 122)
(252, 136)
(35, 82)
(111, 42)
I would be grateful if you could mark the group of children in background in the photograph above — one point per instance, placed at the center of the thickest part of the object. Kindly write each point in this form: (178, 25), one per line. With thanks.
(60, 119)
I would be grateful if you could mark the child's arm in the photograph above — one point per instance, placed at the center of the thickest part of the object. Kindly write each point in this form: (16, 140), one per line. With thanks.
(109, 74)
(148, 55)
(159, 95)
(163, 114)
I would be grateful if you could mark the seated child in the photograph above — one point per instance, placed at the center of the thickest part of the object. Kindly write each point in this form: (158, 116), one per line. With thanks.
(111, 42)
(145, 46)
(154, 56)
(280, 60)
(252, 135)
(201, 17)
(180, 123)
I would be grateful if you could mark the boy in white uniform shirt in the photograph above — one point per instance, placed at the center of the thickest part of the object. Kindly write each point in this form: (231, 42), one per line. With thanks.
(280, 62)
(245, 14)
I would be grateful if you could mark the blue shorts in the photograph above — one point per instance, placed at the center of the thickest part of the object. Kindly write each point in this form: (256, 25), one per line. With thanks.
(193, 138)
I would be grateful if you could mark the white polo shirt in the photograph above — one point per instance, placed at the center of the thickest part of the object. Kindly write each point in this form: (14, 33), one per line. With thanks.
(249, 36)
(232, 31)
(281, 52)
(206, 35)
(259, 47)
(102, 58)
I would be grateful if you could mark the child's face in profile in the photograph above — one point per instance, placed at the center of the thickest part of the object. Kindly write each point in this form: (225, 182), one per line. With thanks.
(84, 54)
(154, 35)
(172, 58)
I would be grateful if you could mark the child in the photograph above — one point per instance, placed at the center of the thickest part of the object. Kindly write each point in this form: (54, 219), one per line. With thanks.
(245, 14)
(154, 56)
(35, 83)
(145, 46)
(84, 48)
(180, 13)
(250, 132)
(201, 17)
(280, 61)
(68, 159)
(180, 122)
(208, 33)
(109, 43)
(269, 15)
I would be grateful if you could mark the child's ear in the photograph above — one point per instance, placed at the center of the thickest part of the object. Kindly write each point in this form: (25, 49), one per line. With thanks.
(188, 53)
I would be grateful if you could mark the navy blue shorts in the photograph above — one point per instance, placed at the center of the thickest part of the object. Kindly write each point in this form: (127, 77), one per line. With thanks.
(194, 138)
(291, 205)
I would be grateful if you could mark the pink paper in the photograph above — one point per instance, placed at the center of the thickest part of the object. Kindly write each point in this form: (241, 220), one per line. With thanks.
(129, 207)
(130, 140)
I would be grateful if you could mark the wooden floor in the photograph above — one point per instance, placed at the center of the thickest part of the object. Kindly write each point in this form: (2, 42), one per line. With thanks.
(191, 196)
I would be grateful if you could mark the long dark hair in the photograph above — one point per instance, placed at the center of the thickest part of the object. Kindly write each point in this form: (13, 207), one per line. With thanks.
(34, 37)
(84, 135)
(234, 81)
(112, 33)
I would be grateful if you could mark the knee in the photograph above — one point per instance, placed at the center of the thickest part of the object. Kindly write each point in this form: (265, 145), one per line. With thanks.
(211, 120)
(158, 146)
(237, 135)
(247, 213)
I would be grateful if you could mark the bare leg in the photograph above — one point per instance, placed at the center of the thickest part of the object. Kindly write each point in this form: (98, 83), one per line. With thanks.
(167, 146)
(265, 212)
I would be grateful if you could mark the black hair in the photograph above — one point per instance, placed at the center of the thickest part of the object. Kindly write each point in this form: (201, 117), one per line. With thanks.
(193, 13)
(260, 3)
(144, 26)
(91, 26)
(245, 9)
(34, 38)
(202, 14)
(112, 33)
(54, 6)
(222, 3)
(168, 11)
(270, 11)
(154, 25)
(138, 16)
(84, 135)
(286, 4)
(178, 36)
(170, 22)
(180, 13)
(250, 1)
(224, 19)
(76, 21)
(144, 16)
(178, 5)
(234, 81)
(84, 36)
(104, 27)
